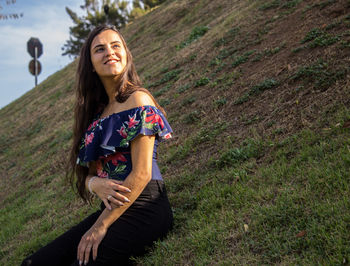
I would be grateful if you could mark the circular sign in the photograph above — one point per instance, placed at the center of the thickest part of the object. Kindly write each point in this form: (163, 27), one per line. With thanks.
(32, 44)
(32, 67)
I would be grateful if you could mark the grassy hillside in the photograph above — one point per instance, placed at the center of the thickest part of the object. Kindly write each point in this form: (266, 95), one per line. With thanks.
(257, 93)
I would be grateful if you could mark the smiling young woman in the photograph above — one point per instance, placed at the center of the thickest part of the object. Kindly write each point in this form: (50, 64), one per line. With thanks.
(108, 55)
(118, 125)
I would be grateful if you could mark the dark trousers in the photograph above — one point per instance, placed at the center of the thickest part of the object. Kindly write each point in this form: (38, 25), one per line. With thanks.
(149, 218)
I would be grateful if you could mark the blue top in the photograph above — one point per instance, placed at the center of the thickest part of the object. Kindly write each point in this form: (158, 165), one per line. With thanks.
(107, 140)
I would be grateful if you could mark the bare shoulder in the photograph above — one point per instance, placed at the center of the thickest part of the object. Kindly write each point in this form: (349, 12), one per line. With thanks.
(139, 98)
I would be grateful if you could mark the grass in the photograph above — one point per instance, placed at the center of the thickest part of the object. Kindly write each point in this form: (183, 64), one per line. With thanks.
(229, 36)
(191, 117)
(247, 187)
(242, 58)
(188, 101)
(220, 102)
(285, 207)
(319, 75)
(171, 75)
(318, 38)
(202, 82)
(279, 4)
(257, 89)
(196, 33)
(162, 90)
(184, 88)
(323, 4)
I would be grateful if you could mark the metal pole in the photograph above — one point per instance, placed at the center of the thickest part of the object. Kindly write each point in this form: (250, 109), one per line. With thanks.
(36, 65)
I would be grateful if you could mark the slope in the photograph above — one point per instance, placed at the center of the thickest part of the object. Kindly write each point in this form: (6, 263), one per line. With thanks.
(257, 94)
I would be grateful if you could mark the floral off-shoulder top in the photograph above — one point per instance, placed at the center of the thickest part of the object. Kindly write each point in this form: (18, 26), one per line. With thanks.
(107, 140)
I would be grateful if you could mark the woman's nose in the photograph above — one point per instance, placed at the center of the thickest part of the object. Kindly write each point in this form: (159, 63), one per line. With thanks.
(109, 50)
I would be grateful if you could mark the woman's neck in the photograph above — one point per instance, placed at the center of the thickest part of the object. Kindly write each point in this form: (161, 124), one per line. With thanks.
(110, 84)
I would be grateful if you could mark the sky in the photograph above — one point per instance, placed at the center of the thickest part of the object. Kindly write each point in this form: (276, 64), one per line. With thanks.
(43, 19)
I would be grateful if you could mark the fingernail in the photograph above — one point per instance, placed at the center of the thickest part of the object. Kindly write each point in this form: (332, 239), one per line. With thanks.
(127, 200)
(121, 204)
(110, 208)
(128, 190)
(85, 262)
(80, 262)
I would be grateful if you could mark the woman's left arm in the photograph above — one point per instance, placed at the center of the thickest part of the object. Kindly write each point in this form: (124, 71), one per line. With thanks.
(139, 177)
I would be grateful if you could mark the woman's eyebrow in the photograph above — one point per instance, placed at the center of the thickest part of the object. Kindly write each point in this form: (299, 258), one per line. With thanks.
(98, 45)
(116, 42)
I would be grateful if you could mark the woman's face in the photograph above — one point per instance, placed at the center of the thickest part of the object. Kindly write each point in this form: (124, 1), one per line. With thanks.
(108, 54)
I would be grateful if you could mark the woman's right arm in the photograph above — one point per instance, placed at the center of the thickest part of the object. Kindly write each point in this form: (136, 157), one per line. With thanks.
(104, 187)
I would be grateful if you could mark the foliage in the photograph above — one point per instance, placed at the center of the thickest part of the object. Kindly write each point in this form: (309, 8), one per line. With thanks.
(319, 38)
(12, 15)
(319, 75)
(257, 89)
(168, 76)
(279, 3)
(112, 12)
(242, 58)
(196, 33)
(202, 82)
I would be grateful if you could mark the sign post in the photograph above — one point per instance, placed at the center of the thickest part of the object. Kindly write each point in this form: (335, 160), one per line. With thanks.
(35, 49)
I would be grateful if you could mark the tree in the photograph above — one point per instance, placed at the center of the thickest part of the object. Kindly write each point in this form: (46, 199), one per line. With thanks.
(11, 15)
(99, 12)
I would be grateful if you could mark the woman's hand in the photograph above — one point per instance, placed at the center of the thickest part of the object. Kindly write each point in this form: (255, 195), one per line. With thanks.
(90, 240)
(106, 190)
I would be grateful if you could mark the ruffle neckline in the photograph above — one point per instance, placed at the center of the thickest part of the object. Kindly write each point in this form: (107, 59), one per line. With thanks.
(107, 134)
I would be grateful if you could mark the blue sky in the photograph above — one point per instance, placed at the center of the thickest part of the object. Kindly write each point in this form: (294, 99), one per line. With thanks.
(43, 19)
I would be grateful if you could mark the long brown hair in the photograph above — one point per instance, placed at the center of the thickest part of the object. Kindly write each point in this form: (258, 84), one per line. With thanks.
(91, 99)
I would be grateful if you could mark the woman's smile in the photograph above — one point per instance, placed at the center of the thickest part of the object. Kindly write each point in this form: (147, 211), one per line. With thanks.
(111, 61)
(108, 54)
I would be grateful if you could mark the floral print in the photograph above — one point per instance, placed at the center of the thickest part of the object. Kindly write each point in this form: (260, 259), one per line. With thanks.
(88, 139)
(107, 140)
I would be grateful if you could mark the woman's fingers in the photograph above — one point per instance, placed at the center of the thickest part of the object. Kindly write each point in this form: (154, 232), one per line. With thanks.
(116, 202)
(120, 188)
(84, 249)
(108, 206)
(81, 250)
(94, 252)
(87, 253)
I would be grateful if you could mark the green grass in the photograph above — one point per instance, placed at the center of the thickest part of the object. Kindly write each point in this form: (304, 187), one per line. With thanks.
(196, 33)
(242, 58)
(319, 75)
(257, 89)
(202, 82)
(162, 90)
(279, 4)
(323, 4)
(183, 88)
(220, 102)
(171, 75)
(297, 204)
(246, 188)
(229, 36)
(188, 101)
(191, 117)
(318, 38)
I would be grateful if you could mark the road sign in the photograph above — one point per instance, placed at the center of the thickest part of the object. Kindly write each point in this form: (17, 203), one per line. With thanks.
(35, 49)
(32, 44)
(32, 67)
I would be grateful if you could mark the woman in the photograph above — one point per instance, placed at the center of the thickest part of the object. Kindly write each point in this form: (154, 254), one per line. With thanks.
(117, 128)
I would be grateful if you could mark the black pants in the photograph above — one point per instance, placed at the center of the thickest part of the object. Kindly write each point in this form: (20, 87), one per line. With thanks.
(149, 218)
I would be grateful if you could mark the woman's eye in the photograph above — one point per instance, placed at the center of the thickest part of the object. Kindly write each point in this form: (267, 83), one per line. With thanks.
(99, 49)
(116, 46)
